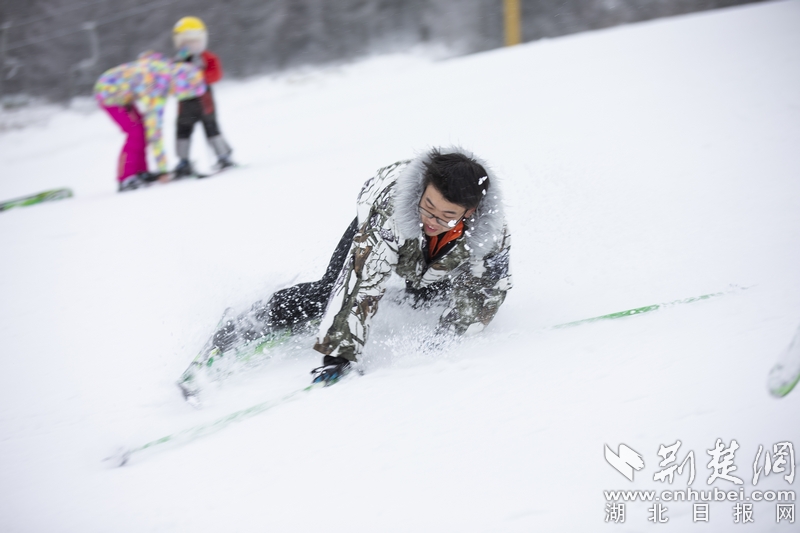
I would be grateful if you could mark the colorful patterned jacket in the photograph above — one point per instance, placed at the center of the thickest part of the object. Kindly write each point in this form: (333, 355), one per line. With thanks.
(390, 240)
(206, 61)
(146, 83)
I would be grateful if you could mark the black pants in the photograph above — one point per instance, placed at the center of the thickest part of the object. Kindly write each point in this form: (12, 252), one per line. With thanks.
(307, 301)
(294, 307)
(197, 109)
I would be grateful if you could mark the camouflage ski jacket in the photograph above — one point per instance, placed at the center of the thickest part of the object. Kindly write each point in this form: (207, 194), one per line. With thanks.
(390, 239)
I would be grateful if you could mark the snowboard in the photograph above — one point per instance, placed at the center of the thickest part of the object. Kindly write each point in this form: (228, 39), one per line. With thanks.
(786, 373)
(45, 196)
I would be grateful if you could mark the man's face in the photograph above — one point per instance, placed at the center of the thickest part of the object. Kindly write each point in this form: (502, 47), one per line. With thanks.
(437, 214)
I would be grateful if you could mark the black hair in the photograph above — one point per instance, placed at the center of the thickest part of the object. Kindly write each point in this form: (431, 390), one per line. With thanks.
(460, 179)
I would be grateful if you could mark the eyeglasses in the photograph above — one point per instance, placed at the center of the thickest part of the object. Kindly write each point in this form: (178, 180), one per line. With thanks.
(444, 223)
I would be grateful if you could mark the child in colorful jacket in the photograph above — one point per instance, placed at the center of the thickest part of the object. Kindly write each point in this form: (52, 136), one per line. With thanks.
(141, 87)
(191, 38)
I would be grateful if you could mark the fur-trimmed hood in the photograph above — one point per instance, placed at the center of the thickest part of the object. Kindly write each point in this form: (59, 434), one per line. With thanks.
(483, 229)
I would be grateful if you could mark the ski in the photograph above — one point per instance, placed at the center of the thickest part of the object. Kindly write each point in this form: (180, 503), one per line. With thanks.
(213, 363)
(124, 455)
(215, 172)
(136, 182)
(786, 373)
(188, 383)
(210, 174)
(46, 196)
(641, 310)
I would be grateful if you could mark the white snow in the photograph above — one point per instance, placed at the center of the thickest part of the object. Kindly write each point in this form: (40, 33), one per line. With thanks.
(641, 164)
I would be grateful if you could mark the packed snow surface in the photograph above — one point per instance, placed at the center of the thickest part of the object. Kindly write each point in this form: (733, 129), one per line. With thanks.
(640, 165)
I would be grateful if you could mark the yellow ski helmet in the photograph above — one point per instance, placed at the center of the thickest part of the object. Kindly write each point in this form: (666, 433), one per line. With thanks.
(190, 33)
(188, 23)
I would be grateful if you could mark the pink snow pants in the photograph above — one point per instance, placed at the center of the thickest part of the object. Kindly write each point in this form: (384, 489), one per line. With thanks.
(133, 158)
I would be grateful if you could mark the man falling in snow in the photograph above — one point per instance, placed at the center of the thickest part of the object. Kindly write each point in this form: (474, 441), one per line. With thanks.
(437, 221)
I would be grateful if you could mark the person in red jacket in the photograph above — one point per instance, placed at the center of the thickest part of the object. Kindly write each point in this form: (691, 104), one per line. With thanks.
(191, 38)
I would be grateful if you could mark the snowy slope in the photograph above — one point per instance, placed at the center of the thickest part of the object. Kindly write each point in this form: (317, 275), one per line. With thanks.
(641, 164)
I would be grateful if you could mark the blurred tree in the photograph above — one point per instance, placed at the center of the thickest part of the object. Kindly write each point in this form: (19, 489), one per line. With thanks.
(49, 51)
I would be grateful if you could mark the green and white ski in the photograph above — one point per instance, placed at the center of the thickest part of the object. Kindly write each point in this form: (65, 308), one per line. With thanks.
(644, 309)
(213, 363)
(786, 373)
(46, 196)
(123, 455)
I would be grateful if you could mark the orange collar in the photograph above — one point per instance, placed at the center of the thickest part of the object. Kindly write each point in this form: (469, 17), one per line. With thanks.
(437, 242)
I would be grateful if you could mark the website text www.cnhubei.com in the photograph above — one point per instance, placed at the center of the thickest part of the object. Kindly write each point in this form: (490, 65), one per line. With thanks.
(691, 495)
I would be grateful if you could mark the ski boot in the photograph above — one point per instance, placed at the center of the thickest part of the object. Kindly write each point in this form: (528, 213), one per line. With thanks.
(183, 170)
(150, 177)
(223, 163)
(223, 152)
(332, 370)
(136, 181)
